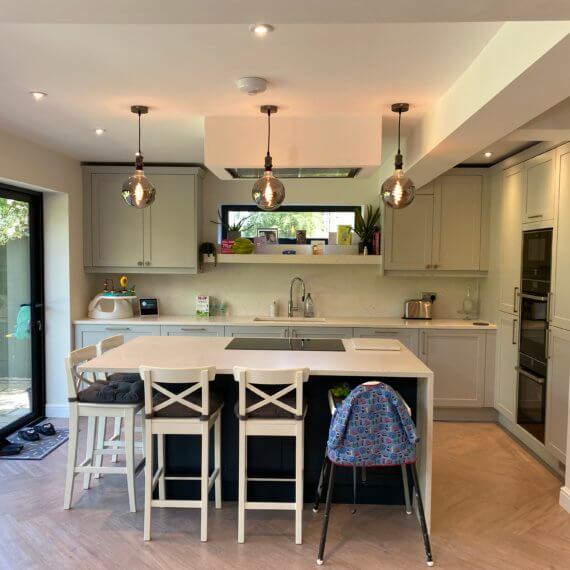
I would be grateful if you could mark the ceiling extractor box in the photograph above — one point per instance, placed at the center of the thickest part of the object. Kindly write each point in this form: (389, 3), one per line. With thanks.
(302, 147)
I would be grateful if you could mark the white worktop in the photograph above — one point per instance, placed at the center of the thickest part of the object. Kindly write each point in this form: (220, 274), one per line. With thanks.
(379, 322)
(187, 352)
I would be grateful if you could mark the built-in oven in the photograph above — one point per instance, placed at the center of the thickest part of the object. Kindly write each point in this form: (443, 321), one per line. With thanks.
(531, 408)
(533, 335)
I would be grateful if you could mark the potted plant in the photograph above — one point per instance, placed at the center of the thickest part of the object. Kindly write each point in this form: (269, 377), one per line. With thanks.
(208, 249)
(233, 231)
(365, 226)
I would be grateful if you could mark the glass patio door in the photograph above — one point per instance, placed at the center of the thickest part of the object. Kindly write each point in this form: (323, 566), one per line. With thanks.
(21, 309)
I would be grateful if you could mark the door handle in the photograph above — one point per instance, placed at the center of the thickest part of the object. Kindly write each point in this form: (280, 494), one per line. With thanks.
(515, 322)
(547, 344)
(531, 376)
(515, 299)
(117, 328)
(533, 297)
(194, 330)
(147, 263)
(535, 216)
(549, 307)
(423, 343)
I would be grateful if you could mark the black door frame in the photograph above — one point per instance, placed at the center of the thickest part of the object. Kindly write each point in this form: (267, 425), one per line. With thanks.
(35, 201)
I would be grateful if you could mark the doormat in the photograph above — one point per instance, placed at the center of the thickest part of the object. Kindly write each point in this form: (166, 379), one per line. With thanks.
(34, 450)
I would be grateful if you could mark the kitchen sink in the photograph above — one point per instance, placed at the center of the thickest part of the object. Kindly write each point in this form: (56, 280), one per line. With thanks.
(289, 320)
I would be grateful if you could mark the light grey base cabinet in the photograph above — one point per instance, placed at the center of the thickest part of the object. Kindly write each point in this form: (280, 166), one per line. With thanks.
(458, 361)
(459, 358)
(86, 335)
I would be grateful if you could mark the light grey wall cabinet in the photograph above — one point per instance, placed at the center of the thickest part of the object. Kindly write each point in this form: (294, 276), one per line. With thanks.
(441, 230)
(409, 338)
(86, 335)
(192, 330)
(557, 393)
(162, 238)
(540, 187)
(457, 359)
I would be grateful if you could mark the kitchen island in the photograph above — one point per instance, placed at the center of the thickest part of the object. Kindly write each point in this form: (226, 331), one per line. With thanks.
(401, 369)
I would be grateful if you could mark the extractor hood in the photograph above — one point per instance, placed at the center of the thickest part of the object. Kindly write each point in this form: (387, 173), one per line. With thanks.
(302, 147)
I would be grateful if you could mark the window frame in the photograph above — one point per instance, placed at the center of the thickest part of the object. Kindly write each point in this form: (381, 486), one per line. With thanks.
(226, 208)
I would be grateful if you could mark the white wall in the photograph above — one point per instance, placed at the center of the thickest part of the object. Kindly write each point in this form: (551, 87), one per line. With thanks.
(337, 291)
(26, 164)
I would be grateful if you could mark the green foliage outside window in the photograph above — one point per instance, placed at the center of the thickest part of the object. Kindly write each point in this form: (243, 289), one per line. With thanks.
(14, 222)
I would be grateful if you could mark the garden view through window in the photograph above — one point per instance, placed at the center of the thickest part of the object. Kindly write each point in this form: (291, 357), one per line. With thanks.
(317, 221)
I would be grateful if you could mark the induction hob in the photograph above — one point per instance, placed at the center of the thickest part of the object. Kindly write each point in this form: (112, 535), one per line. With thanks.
(297, 344)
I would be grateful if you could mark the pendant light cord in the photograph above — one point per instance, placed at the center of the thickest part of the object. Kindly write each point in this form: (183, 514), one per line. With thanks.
(268, 130)
(399, 122)
(139, 113)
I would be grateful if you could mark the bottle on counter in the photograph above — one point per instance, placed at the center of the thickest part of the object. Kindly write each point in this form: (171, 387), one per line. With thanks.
(309, 307)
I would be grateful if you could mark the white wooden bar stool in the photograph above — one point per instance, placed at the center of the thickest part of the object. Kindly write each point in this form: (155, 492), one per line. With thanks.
(281, 413)
(181, 413)
(87, 399)
(115, 440)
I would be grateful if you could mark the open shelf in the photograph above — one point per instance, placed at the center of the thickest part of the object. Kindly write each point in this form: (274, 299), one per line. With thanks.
(253, 258)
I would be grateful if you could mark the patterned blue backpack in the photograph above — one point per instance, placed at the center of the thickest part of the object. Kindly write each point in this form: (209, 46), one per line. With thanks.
(372, 427)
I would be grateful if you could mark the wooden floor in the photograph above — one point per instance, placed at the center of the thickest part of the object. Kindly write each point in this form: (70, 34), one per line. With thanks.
(494, 506)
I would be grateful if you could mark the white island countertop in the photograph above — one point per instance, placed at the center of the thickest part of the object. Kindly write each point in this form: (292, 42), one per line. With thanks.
(372, 322)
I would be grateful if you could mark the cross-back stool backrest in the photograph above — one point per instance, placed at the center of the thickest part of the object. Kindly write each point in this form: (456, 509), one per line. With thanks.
(190, 379)
(250, 378)
(77, 381)
(109, 343)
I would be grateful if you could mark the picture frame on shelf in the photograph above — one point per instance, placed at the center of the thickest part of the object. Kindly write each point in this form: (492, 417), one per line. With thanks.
(271, 235)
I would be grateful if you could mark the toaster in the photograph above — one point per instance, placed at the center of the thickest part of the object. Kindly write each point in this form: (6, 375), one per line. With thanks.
(418, 309)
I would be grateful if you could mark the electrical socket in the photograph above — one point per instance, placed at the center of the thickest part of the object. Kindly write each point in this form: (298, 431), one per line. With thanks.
(429, 295)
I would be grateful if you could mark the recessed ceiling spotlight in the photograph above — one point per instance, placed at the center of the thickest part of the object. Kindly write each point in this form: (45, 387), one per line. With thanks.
(99, 132)
(261, 29)
(488, 154)
(38, 95)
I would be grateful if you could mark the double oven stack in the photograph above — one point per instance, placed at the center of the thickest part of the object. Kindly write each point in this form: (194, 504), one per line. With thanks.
(533, 333)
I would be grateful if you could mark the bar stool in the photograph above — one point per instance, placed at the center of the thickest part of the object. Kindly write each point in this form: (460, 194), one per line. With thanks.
(334, 403)
(387, 438)
(181, 413)
(115, 440)
(97, 400)
(271, 415)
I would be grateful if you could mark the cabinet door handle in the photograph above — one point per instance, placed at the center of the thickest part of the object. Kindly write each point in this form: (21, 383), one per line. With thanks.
(515, 323)
(549, 307)
(192, 330)
(535, 216)
(139, 262)
(547, 345)
(147, 263)
(117, 328)
(428, 266)
(423, 343)
(515, 300)
(435, 266)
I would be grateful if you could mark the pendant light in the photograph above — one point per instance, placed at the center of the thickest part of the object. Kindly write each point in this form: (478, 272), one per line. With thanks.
(138, 190)
(268, 192)
(398, 191)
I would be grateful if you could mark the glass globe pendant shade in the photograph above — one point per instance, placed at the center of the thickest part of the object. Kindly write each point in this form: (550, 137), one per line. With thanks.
(138, 190)
(398, 191)
(268, 192)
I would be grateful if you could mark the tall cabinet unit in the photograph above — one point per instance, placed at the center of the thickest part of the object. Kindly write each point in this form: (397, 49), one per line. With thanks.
(162, 238)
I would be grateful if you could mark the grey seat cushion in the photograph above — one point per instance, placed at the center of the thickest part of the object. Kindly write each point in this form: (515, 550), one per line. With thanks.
(124, 377)
(270, 411)
(113, 392)
(177, 410)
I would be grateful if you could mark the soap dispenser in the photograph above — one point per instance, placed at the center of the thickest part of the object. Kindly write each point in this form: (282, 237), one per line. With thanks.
(309, 307)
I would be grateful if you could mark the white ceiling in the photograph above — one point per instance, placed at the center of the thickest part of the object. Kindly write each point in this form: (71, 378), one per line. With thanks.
(284, 12)
(93, 73)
